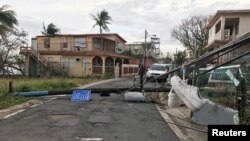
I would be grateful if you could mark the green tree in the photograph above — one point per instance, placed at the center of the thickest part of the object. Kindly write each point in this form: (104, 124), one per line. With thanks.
(192, 34)
(7, 20)
(51, 29)
(180, 57)
(102, 19)
(168, 58)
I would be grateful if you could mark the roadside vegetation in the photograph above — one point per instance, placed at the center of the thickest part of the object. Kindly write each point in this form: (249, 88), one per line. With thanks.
(22, 84)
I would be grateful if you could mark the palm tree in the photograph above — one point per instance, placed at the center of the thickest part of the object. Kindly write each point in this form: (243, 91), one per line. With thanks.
(50, 30)
(7, 19)
(101, 19)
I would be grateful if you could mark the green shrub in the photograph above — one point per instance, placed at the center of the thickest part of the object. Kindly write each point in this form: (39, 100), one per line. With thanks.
(23, 88)
(23, 84)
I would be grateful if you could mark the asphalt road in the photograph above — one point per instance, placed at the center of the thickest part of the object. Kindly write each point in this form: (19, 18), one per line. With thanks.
(127, 82)
(107, 118)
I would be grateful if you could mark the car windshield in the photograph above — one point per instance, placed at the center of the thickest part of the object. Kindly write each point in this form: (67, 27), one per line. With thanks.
(157, 67)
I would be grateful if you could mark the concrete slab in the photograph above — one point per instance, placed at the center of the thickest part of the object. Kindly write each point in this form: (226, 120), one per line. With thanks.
(212, 113)
(179, 121)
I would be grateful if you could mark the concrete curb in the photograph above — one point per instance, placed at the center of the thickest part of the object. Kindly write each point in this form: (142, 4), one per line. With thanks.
(5, 113)
(184, 134)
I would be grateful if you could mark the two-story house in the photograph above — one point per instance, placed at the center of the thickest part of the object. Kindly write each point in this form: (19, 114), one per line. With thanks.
(74, 54)
(226, 26)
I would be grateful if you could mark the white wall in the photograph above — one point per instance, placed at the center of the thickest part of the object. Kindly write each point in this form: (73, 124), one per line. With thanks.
(212, 35)
(244, 26)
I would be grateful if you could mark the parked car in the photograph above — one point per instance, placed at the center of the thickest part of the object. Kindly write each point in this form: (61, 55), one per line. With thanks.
(155, 70)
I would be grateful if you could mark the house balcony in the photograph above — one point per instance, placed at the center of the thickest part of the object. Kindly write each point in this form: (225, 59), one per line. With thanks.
(74, 48)
(69, 52)
(220, 40)
(225, 31)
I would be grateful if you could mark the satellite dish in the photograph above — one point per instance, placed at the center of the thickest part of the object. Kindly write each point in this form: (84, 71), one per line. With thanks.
(119, 48)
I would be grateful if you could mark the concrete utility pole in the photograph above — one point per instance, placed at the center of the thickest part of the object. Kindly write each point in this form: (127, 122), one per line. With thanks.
(194, 70)
(145, 54)
(142, 68)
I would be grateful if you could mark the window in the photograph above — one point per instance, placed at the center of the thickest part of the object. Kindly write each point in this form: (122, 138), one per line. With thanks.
(85, 64)
(34, 43)
(46, 42)
(97, 43)
(63, 61)
(72, 62)
(217, 27)
(157, 67)
(80, 42)
(65, 42)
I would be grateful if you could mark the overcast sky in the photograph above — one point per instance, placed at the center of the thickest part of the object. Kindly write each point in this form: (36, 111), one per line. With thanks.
(130, 17)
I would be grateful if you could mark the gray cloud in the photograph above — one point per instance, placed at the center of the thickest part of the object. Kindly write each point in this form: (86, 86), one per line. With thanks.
(130, 17)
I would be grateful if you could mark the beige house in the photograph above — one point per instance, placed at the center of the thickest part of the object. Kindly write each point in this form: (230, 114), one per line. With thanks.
(75, 54)
(226, 26)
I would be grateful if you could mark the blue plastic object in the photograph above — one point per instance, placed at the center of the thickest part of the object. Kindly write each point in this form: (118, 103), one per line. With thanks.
(33, 93)
(81, 95)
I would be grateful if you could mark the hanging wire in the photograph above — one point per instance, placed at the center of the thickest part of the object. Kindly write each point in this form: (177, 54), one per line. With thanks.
(245, 39)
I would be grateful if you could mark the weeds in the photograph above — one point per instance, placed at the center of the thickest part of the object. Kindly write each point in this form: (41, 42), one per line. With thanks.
(8, 100)
(22, 84)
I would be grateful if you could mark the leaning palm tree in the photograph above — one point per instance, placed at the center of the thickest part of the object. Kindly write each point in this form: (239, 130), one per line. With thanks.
(7, 19)
(102, 20)
(50, 30)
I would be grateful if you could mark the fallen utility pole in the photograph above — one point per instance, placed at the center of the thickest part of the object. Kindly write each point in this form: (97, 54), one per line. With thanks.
(93, 90)
(225, 63)
(243, 40)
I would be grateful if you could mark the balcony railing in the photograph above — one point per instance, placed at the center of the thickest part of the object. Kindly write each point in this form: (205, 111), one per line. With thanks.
(75, 47)
(227, 35)
(33, 52)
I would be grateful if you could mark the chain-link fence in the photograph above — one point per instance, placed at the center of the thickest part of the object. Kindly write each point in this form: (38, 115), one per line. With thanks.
(223, 86)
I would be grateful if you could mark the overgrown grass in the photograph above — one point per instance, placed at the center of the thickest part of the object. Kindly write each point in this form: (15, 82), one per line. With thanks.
(8, 100)
(22, 84)
(43, 84)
